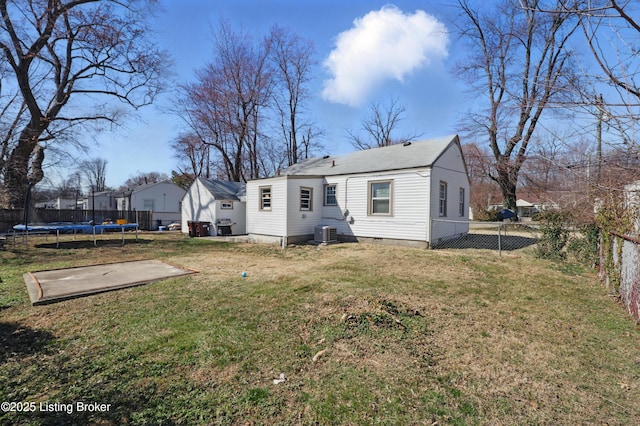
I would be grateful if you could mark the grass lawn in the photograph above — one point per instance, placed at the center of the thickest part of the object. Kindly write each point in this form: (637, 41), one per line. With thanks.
(343, 334)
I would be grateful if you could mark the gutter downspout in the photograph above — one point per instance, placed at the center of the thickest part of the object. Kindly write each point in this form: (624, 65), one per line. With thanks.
(286, 214)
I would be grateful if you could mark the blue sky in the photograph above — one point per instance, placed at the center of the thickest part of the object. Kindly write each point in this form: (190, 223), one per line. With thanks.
(418, 74)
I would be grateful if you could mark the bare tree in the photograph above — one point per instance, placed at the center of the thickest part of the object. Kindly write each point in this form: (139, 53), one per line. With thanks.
(194, 155)
(224, 107)
(94, 170)
(69, 58)
(379, 126)
(72, 184)
(609, 28)
(478, 161)
(608, 25)
(293, 59)
(541, 173)
(518, 63)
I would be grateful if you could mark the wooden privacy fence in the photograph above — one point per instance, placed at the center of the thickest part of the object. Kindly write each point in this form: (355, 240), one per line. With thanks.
(9, 218)
(620, 269)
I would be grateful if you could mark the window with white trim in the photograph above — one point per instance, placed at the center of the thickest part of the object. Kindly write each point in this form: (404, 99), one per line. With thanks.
(330, 198)
(265, 198)
(442, 199)
(306, 197)
(380, 196)
(461, 203)
(226, 205)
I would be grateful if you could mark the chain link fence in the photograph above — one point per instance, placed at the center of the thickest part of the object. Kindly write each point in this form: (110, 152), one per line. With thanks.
(620, 269)
(497, 236)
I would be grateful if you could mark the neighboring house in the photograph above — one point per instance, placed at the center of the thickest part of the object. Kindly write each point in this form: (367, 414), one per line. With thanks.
(528, 204)
(58, 204)
(221, 203)
(104, 200)
(162, 198)
(389, 193)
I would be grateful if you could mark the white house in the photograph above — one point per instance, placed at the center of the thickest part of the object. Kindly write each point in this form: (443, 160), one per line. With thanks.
(389, 194)
(162, 198)
(59, 203)
(103, 200)
(221, 203)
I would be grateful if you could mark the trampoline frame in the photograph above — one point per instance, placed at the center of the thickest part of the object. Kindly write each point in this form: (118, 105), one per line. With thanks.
(74, 227)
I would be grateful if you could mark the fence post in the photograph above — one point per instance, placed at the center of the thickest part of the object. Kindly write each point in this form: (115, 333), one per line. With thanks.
(499, 239)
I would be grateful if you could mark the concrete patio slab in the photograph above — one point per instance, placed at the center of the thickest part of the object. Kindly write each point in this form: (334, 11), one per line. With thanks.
(60, 284)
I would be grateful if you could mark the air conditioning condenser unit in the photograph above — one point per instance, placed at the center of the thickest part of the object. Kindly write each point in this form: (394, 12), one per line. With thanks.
(325, 234)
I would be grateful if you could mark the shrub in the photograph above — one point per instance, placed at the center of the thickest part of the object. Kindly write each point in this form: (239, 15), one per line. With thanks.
(555, 235)
(487, 215)
(584, 248)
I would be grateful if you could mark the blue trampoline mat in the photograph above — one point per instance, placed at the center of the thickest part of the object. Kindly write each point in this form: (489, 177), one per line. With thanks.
(73, 227)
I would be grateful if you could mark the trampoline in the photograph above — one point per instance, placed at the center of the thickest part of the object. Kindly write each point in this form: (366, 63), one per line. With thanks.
(76, 227)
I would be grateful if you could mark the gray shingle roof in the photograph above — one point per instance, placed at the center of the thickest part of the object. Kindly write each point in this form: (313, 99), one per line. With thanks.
(224, 190)
(395, 157)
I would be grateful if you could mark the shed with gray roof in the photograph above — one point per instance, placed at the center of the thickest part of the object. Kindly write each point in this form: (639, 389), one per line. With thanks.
(221, 203)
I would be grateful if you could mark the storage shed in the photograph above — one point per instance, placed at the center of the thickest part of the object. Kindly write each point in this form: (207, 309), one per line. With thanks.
(219, 203)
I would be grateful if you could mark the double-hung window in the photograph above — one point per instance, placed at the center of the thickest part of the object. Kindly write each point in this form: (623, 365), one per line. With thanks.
(265, 198)
(330, 198)
(306, 199)
(380, 198)
(442, 199)
(461, 203)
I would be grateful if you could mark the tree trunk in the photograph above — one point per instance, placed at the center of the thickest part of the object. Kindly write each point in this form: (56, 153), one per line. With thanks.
(17, 178)
(507, 179)
(509, 196)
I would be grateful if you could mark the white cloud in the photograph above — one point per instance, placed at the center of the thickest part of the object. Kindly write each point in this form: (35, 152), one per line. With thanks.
(383, 44)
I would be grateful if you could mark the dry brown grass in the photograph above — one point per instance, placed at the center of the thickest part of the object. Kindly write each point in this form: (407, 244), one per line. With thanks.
(405, 336)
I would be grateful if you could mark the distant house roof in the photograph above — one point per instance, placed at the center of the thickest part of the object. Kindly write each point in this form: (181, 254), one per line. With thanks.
(144, 186)
(224, 190)
(393, 157)
(524, 203)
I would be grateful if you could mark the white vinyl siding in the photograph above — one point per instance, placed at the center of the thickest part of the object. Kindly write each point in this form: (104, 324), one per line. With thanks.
(300, 221)
(162, 197)
(410, 206)
(449, 168)
(267, 222)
